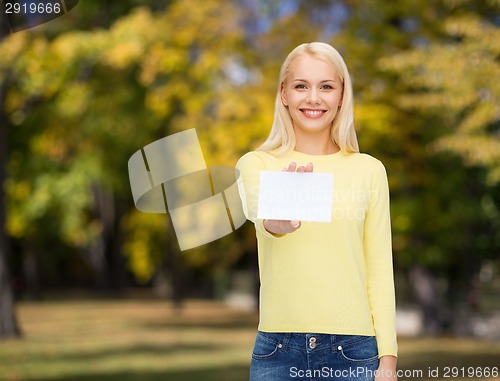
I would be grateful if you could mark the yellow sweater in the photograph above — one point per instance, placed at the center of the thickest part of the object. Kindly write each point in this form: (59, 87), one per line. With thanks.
(337, 277)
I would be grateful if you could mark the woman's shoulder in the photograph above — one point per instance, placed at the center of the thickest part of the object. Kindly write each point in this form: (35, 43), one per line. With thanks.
(253, 158)
(365, 160)
(366, 165)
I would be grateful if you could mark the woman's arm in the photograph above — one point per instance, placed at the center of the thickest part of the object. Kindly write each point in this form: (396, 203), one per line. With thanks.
(387, 369)
(378, 257)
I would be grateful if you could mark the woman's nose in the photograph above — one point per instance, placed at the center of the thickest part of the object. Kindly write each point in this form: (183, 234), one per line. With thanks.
(313, 96)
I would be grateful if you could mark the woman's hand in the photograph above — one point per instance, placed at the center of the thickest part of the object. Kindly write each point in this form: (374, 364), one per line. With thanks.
(280, 227)
(387, 369)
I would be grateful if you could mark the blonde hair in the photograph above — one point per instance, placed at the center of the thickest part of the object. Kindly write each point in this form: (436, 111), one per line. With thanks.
(282, 140)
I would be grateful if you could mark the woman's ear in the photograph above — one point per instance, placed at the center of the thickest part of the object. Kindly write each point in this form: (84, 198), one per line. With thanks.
(283, 96)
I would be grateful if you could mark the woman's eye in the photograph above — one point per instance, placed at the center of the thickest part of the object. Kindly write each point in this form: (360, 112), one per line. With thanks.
(327, 87)
(300, 86)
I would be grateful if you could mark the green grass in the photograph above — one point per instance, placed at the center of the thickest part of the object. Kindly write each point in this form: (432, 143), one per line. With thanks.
(148, 340)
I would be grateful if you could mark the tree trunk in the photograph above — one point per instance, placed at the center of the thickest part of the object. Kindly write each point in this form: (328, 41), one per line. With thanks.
(31, 266)
(118, 275)
(8, 323)
(100, 251)
(423, 285)
(174, 262)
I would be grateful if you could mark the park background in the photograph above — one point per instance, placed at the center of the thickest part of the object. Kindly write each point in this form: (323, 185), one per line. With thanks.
(92, 289)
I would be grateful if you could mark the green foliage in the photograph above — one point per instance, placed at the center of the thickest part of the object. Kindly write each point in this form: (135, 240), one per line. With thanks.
(452, 83)
(82, 99)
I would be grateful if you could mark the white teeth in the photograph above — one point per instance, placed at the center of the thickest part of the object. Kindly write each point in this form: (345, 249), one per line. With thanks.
(313, 112)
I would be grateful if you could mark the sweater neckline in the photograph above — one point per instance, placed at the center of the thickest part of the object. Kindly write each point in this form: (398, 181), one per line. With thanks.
(315, 157)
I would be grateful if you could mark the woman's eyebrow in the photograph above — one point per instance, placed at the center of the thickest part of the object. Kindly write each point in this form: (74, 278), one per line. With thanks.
(305, 80)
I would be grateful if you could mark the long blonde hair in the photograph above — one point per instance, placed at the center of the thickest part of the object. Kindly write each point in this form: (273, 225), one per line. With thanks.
(281, 140)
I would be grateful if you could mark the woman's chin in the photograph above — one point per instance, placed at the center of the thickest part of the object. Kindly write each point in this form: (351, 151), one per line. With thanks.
(313, 128)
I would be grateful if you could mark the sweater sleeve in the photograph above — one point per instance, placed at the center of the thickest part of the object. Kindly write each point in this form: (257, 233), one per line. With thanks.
(249, 166)
(378, 257)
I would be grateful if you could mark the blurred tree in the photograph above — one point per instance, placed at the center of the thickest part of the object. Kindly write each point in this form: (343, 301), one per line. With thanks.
(8, 321)
(461, 96)
(48, 92)
(147, 76)
(460, 102)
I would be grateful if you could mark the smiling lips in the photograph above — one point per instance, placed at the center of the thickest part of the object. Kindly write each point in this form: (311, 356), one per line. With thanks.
(312, 113)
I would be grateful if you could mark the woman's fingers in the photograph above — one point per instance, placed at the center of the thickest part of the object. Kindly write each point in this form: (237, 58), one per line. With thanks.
(307, 168)
(290, 226)
(292, 167)
(281, 226)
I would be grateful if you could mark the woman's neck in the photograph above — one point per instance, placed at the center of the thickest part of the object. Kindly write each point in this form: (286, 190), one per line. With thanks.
(315, 145)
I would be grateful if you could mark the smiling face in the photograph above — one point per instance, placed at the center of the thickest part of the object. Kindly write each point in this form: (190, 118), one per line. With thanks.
(312, 92)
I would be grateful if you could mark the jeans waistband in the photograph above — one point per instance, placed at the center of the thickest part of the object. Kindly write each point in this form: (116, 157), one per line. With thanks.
(310, 341)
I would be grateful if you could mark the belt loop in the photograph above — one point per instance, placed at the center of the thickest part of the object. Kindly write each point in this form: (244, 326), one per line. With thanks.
(286, 340)
(333, 339)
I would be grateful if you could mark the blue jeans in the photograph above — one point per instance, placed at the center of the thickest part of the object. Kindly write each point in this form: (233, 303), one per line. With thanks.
(311, 357)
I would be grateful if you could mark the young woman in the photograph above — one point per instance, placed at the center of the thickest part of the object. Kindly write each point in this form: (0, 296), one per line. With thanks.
(327, 306)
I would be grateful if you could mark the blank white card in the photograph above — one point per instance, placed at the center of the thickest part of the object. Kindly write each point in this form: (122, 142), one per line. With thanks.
(296, 196)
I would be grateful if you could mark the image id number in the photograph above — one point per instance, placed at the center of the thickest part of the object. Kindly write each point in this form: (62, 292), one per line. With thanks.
(40, 8)
(476, 372)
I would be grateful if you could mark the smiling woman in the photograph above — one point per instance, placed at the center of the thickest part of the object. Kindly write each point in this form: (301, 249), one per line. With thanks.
(315, 75)
(313, 94)
(327, 290)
